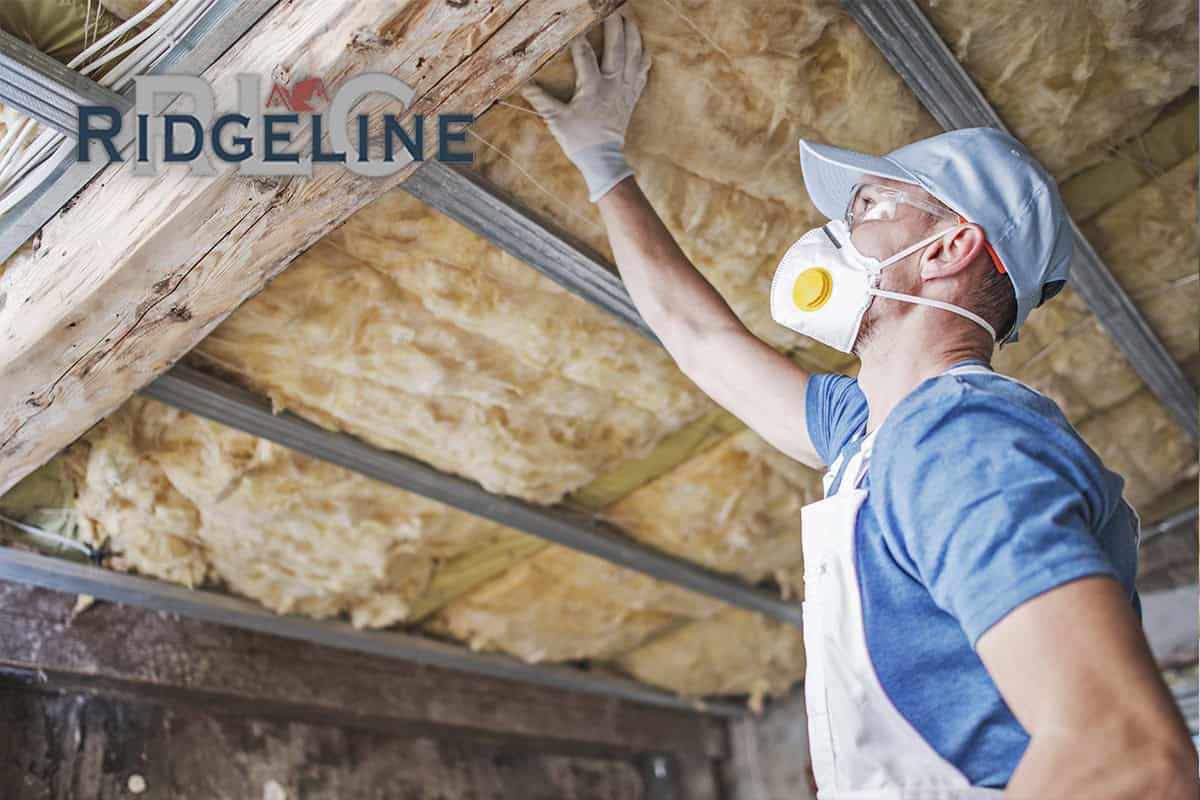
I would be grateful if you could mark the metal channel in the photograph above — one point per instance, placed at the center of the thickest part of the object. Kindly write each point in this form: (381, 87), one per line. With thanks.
(66, 576)
(914, 49)
(215, 399)
(40, 87)
(473, 202)
(202, 44)
(1178, 520)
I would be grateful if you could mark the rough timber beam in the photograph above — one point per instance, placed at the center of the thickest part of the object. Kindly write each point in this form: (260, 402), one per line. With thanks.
(67, 576)
(914, 49)
(138, 270)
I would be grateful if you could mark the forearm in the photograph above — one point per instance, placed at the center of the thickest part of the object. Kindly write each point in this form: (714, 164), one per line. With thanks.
(669, 292)
(1112, 763)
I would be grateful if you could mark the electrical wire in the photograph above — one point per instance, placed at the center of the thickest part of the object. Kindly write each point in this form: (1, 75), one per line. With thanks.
(24, 165)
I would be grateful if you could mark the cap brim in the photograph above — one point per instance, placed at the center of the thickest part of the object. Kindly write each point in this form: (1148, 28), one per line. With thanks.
(830, 172)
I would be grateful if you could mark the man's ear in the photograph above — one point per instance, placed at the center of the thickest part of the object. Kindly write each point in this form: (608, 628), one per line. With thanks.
(953, 252)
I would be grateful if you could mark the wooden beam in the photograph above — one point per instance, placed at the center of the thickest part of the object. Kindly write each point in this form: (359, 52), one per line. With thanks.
(138, 270)
(67, 576)
(156, 656)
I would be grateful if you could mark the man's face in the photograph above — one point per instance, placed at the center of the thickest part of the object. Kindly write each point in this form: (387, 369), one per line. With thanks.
(883, 238)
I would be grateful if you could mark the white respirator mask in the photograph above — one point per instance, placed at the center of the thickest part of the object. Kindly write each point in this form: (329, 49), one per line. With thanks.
(823, 287)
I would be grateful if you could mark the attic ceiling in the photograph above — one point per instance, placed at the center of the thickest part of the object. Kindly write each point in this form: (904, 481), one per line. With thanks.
(406, 330)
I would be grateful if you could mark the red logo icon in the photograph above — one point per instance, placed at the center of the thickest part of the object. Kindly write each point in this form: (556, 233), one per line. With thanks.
(300, 97)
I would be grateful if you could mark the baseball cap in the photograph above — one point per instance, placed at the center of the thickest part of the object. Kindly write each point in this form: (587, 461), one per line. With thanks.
(987, 177)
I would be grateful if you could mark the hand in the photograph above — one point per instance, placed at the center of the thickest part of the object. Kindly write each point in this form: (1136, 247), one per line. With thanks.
(591, 127)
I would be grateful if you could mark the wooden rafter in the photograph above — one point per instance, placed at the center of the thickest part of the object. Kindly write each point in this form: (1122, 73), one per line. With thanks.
(138, 270)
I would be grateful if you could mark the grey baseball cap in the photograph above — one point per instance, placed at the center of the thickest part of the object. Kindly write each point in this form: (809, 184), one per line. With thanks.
(985, 176)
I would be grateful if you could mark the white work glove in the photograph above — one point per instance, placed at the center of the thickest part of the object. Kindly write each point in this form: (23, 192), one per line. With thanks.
(591, 128)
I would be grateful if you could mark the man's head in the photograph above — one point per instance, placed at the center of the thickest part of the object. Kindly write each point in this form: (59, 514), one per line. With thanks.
(1006, 230)
(885, 216)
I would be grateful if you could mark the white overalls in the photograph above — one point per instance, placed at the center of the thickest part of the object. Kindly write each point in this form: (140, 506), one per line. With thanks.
(862, 747)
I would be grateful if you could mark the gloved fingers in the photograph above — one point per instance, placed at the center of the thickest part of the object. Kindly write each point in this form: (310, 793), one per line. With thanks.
(614, 45)
(542, 101)
(587, 72)
(633, 50)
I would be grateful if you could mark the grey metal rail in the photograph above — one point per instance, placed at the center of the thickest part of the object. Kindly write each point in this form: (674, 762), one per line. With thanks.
(477, 205)
(67, 576)
(40, 87)
(909, 42)
(1177, 520)
(218, 400)
(204, 42)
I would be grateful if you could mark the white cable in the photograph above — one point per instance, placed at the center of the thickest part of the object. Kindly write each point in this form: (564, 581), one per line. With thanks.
(155, 33)
(115, 33)
(22, 168)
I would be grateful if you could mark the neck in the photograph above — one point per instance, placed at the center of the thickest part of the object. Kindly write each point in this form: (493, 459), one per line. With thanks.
(892, 366)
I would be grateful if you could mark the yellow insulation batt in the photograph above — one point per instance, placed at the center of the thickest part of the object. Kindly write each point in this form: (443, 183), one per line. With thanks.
(735, 508)
(185, 499)
(1151, 240)
(59, 28)
(736, 652)
(714, 146)
(409, 331)
(563, 605)
(1072, 78)
(714, 138)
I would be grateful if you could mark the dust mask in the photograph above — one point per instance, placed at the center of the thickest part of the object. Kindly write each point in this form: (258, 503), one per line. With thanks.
(823, 287)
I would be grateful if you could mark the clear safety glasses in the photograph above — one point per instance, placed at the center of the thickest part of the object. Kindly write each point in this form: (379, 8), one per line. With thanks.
(870, 201)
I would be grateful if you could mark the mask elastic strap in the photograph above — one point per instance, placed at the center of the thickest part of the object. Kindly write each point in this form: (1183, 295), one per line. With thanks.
(953, 309)
(911, 249)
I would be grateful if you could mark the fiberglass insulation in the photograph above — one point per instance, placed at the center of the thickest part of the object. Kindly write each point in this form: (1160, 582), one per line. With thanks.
(185, 499)
(407, 331)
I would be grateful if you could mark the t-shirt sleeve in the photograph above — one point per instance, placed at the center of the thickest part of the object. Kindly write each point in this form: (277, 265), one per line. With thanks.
(987, 505)
(835, 409)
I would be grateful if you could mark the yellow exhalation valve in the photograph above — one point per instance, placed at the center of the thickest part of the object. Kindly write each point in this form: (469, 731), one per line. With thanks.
(812, 288)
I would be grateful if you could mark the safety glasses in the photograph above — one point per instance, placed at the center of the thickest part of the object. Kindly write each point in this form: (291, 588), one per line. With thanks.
(871, 201)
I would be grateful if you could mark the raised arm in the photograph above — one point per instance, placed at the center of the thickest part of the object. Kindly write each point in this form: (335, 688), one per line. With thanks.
(702, 334)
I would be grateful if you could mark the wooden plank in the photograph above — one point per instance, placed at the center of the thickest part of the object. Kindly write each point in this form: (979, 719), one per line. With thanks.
(61, 575)
(157, 654)
(139, 269)
(83, 746)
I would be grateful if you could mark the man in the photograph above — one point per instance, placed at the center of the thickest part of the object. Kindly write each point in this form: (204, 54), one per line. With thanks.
(970, 613)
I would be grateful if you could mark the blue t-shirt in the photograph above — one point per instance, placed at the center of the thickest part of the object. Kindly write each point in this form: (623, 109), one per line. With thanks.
(981, 496)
